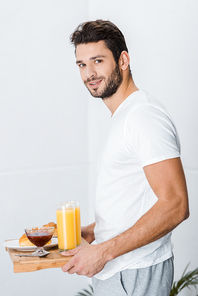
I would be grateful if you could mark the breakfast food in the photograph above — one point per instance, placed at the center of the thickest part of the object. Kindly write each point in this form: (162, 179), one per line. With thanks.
(52, 224)
(24, 241)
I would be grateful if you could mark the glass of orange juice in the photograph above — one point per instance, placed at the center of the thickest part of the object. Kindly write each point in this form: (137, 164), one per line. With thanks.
(66, 226)
(76, 203)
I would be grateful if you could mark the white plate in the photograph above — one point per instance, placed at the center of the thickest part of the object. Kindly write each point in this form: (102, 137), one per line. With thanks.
(14, 244)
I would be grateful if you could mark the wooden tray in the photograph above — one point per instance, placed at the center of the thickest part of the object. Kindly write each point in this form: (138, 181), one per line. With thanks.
(28, 264)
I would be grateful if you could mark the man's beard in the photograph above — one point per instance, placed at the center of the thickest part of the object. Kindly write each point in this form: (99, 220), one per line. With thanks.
(111, 87)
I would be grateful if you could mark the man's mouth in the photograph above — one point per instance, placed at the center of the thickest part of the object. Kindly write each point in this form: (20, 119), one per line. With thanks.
(94, 84)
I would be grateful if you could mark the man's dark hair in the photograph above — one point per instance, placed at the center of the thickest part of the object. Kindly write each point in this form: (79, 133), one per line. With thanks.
(94, 31)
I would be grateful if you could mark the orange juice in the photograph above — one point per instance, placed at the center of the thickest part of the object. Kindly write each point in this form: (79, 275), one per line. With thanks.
(78, 225)
(76, 203)
(65, 215)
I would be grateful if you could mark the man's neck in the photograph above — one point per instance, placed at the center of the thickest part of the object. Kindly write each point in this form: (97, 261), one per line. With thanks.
(126, 88)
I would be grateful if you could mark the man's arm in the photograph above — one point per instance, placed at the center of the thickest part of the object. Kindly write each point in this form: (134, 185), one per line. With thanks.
(167, 180)
(87, 232)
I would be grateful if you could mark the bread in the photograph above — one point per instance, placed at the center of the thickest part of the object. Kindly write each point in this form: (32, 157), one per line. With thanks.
(24, 241)
(52, 224)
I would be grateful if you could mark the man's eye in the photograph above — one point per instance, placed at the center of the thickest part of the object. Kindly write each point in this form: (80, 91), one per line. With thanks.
(98, 61)
(81, 65)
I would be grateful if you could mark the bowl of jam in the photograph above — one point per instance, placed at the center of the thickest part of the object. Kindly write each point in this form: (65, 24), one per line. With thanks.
(39, 236)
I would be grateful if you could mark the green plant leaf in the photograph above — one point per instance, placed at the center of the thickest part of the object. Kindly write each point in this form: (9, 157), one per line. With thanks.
(188, 280)
(87, 293)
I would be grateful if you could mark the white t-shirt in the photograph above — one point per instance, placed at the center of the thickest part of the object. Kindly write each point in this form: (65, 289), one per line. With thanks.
(141, 133)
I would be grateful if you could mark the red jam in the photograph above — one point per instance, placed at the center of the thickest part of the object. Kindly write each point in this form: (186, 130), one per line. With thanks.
(39, 239)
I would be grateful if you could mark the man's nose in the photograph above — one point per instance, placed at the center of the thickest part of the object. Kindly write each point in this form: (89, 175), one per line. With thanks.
(90, 72)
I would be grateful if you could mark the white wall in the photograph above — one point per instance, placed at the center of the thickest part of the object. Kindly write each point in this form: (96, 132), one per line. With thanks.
(43, 131)
(52, 130)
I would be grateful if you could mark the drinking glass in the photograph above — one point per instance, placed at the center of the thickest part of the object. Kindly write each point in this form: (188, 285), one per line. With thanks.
(76, 203)
(65, 216)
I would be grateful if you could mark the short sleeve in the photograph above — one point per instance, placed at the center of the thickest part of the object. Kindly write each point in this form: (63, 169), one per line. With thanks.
(151, 134)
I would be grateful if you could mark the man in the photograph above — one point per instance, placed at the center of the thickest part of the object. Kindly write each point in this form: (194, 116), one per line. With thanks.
(141, 191)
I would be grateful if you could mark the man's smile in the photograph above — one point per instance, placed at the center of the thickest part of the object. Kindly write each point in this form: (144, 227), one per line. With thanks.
(94, 84)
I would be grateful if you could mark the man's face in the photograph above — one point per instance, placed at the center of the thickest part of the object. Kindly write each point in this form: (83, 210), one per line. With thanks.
(98, 69)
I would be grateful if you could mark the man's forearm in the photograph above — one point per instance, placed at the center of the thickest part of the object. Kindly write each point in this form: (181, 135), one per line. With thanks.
(157, 222)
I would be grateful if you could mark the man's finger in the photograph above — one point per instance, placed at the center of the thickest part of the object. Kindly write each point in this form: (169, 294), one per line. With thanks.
(67, 266)
(70, 252)
(72, 270)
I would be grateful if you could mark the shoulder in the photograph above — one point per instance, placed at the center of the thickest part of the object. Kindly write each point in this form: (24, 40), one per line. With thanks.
(145, 110)
(150, 125)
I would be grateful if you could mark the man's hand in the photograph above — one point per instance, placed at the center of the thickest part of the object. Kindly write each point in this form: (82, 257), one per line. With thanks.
(87, 260)
(87, 233)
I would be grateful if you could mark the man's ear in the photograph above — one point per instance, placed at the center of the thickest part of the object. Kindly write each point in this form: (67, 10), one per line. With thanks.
(124, 60)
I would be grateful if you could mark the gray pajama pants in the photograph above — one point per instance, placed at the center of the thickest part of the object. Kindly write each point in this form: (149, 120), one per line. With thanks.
(154, 280)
